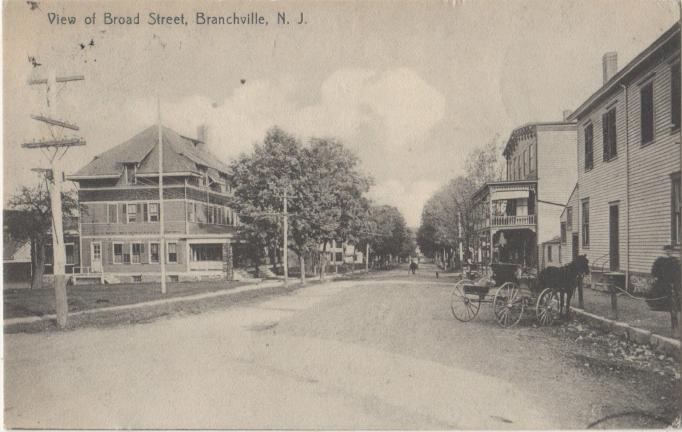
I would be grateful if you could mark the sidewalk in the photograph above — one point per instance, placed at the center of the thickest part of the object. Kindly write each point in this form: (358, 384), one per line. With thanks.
(634, 312)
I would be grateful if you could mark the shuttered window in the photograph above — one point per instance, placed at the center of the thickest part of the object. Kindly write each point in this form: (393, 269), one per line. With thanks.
(563, 232)
(589, 146)
(646, 98)
(586, 222)
(675, 95)
(112, 210)
(569, 218)
(609, 134)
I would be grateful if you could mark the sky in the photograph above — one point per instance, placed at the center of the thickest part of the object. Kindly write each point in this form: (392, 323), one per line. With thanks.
(410, 87)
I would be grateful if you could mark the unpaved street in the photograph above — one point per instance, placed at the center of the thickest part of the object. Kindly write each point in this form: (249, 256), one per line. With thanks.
(383, 352)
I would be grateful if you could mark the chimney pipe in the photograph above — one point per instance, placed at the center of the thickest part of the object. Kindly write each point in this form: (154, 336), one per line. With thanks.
(202, 136)
(566, 113)
(610, 65)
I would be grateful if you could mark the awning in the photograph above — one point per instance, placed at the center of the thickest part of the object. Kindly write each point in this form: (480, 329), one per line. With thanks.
(510, 194)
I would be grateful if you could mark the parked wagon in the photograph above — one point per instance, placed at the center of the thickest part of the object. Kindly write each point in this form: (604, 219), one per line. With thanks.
(510, 292)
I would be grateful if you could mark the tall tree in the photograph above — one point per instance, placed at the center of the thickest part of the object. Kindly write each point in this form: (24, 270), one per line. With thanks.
(391, 232)
(333, 191)
(33, 223)
(260, 180)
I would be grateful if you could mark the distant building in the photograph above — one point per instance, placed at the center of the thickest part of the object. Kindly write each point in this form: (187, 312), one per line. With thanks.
(550, 253)
(568, 229)
(513, 217)
(627, 204)
(119, 229)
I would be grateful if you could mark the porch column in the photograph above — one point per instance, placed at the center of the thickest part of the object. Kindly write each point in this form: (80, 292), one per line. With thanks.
(228, 265)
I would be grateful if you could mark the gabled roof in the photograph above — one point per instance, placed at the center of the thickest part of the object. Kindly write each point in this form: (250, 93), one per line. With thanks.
(670, 37)
(180, 154)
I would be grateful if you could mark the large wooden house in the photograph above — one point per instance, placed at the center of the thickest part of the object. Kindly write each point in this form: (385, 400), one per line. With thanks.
(512, 218)
(119, 227)
(628, 194)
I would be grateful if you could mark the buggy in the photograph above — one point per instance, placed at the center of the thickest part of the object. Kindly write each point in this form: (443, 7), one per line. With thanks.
(510, 291)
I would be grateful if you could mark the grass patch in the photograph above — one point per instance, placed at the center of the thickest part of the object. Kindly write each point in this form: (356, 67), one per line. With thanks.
(19, 303)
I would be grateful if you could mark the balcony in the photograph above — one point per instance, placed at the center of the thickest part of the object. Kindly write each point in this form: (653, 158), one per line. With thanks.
(506, 221)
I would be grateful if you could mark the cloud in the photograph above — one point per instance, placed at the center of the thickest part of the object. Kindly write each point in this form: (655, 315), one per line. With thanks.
(377, 114)
(391, 109)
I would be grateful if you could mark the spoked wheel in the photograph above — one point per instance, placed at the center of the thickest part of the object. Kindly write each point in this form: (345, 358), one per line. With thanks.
(464, 308)
(508, 305)
(547, 307)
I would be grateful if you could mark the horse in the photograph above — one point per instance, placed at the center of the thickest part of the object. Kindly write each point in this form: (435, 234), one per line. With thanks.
(413, 267)
(564, 279)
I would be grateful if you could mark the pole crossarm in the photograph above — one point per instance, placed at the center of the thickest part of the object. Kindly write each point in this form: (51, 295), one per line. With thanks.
(59, 79)
(55, 143)
(54, 122)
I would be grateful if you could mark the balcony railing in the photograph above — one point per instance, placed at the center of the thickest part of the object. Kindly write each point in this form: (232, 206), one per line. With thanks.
(513, 220)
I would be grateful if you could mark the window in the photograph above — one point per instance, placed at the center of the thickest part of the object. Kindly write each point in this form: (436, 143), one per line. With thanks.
(563, 232)
(153, 212)
(153, 252)
(112, 211)
(569, 218)
(172, 252)
(136, 251)
(118, 253)
(525, 167)
(531, 167)
(609, 134)
(675, 95)
(338, 257)
(589, 146)
(190, 211)
(586, 223)
(70, 253)
(97, 251)
(132, 213)
(646, 113)
(549, 252)
(124, 214)
(675, 215)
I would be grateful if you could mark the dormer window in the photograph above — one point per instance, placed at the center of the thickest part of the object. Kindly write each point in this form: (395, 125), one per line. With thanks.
(129, 172)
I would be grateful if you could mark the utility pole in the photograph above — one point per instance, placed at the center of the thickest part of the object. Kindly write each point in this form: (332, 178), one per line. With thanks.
(162, 233)
(285, 253)
(53, 151)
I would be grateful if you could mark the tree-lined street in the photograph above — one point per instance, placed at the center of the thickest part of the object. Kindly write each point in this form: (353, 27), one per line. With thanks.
(377, 352)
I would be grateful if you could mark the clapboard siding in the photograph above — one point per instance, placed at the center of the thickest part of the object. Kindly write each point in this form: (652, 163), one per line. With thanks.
(639, 179)
(604, 184)
(650, 169)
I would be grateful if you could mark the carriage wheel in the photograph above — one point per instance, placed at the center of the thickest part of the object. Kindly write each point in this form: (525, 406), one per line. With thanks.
(463, 308)
(547, 307)
(508, 305)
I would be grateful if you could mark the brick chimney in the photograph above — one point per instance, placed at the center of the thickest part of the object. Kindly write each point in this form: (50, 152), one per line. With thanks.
(610, 65)
(202, 136)
(566, 113)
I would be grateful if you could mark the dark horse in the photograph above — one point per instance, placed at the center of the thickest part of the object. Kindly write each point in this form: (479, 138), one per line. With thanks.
(564, 280)
(413, 267)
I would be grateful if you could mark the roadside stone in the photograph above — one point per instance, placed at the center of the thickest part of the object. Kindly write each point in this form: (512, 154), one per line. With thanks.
(638, 335)
(621, 329)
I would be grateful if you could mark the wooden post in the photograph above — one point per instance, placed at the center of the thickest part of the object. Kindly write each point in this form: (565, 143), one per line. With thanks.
(162, 233)
(285, 229)
(367, 258)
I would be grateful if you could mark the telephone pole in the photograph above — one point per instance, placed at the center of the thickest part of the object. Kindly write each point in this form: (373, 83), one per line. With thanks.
(54, 150)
